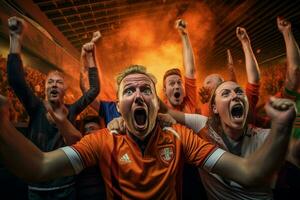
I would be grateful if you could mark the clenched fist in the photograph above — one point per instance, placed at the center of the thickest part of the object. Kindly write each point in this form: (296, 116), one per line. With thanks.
(88, 54)
(242, 35)
(283, 25)
(281, 111)
(16, 26)
(96, 36)
(181, 26)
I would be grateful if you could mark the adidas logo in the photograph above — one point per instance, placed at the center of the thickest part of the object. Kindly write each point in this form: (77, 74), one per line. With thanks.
(125, 159)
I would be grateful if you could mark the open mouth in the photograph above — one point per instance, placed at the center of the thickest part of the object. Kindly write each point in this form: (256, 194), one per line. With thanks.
(177, 95)
(140, 117)
(237, 111)
(54, 93)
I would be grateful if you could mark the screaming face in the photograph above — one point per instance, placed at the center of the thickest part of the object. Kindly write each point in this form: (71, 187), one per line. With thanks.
(174, 90)
(55, 88)
(231, 104)
(138, 104)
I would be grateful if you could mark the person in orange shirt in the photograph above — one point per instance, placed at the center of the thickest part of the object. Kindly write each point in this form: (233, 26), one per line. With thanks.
(184, 98)
(145, 161)
(179, 97)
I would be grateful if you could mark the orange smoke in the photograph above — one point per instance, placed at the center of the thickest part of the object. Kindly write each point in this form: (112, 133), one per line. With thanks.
(155, 43)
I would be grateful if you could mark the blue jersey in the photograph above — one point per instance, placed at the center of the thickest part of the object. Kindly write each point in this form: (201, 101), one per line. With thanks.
(108, 111)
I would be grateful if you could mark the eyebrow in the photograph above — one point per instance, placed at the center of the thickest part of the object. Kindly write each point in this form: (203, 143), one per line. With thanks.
(237, 88)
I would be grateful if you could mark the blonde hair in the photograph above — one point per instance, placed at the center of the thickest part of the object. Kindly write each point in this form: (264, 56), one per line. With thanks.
(134, 69)
(56, 72)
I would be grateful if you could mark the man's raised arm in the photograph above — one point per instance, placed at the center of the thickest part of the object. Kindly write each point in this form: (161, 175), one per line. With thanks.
(188, 55)
(23, 158)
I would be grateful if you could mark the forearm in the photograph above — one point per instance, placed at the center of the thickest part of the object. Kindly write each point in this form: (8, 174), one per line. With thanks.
(230, 67)
(293, 60)
(253, 73)
(259, 167)
(89, 60)
(267, 160)
(28, 162)
(94, 83)
(232, 76)
(177, 115)
(90, 95)
(188, 57)
(292, 49)
(16, 79)
(22, 157)
(15, 45)
(95, 104)
(82, 82)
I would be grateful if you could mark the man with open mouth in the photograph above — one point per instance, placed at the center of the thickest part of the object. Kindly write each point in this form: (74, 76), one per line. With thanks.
(42, 130)
(178, 96)
(144, 161)
(183, 97)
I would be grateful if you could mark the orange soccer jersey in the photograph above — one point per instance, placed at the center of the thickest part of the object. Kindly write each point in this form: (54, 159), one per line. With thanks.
(156, 174)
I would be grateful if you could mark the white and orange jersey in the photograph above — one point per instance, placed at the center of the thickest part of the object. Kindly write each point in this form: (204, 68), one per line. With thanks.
(155, 174)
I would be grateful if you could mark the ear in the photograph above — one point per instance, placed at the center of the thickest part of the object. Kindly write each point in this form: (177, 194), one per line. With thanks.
(164, 90)
(214, 108)
(117, 103)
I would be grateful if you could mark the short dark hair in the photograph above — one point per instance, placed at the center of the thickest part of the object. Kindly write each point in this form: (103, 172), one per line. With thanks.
(173, 71)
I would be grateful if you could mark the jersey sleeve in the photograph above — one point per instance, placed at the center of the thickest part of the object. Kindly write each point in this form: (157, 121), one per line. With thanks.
(194, 121)
(191, 91)
(197, 151)
(87, 151)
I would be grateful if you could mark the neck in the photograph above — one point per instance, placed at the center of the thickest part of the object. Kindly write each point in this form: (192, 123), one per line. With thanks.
(138, 136)
(141, 136)
(55, 104)
(174, 107)
(234, 134)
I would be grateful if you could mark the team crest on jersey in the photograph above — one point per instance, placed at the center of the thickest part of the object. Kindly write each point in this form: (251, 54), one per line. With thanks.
(166, 154)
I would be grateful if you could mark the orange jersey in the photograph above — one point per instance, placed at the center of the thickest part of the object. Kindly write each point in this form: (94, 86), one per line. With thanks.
(156, 174)
(189, 104)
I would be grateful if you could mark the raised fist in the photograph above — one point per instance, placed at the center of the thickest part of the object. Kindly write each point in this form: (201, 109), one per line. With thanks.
(242, 35)
(16, 26)
(181, 26)
(87, 55)
(88, 47)
(281, 111)
(96, 36)
(283, 25)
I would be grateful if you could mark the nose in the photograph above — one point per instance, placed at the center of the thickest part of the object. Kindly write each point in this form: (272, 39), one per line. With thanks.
(139, 98)
(234, 96)
(54, 84)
